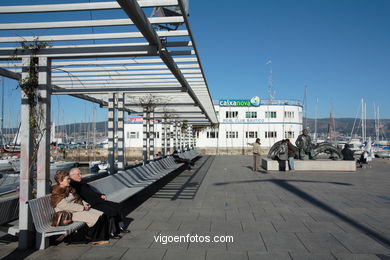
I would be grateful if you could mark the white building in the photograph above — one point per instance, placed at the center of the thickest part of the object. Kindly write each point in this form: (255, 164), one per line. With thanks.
(240, 122)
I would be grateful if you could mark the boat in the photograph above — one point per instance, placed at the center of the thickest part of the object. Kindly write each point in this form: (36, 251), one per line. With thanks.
(383, 154)
(94, 165)
(6, 164)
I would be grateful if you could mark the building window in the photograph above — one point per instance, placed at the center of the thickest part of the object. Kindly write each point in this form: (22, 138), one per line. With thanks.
(212, 134)
(231, 134)
(270, 114)
(251, 134)
(251, 115)
(288, 114)
(289, 134)
(270, 134)
(197, 134)
(132, 135)
(231, 114)
(154, 134)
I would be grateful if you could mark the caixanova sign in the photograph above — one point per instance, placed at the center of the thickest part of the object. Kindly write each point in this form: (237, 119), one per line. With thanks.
(255, 101)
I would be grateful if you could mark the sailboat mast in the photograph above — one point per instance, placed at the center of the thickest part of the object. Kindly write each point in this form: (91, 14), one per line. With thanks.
(315, 123)
(94, 130)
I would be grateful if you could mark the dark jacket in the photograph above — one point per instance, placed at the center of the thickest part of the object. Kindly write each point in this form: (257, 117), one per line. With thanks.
(86, 192)
(347, 154)
(291, 150)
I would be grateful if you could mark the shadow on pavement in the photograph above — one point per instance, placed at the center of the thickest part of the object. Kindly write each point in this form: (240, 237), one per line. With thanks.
(285, 184)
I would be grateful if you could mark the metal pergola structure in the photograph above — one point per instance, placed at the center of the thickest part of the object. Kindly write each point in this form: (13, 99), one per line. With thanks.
(113, 53)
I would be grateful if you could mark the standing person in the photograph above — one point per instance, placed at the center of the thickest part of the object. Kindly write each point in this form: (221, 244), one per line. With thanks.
(283, 155)
(99, 201)
(347, 153)
(291, 154)
(256, 154)
(64, 197)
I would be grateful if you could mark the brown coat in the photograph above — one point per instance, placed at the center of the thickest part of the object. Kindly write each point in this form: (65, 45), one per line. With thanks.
(70, 203)
(291, 150)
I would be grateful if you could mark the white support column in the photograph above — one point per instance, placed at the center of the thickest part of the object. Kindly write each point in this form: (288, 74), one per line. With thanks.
(145, 135)
(111, 132)
(190, 137)
(121, 133)
(174, 136)
(168, 136)
(152, 135)
(163, 136)
(26, 168)
(180, 137)
(44, 108)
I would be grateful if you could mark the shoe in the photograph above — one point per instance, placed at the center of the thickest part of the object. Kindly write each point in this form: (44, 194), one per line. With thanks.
(291, 170)
(115, 236)
(124, 230)
(103, 242)
(61, 238)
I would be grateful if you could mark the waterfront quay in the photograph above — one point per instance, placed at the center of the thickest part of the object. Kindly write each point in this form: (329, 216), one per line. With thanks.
(270, 215)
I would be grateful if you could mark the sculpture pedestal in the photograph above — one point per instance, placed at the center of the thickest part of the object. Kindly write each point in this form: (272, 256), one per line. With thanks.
(312, 165)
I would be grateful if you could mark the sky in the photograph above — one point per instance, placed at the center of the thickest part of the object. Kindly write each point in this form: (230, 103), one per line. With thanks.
(339, 49)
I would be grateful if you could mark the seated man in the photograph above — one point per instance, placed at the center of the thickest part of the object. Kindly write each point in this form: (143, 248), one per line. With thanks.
(99, 201)
(347, 153)
(178, 159)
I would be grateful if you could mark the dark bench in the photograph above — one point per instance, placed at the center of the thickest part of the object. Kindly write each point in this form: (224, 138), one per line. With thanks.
(125, 184)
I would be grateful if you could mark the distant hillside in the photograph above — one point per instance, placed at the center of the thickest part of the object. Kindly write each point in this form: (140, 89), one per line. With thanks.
(344, 126)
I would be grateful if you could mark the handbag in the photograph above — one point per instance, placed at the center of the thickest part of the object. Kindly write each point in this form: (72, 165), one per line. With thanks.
(61, 218)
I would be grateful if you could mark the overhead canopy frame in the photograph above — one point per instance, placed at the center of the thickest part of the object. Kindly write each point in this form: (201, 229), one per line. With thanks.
(128, 51)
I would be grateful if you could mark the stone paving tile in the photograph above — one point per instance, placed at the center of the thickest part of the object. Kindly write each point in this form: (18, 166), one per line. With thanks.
(300, 256)
(290, 226)
(322, 227)
(140, 224)
(321, 243)
(258, 226)
(64, 252)
(282, 242)
(360, 244)
(357, 257)
(164, 225)
(268, 256)
(248, 241)
(195, 226)
(261, 216)
(137, 239)
(226, 226)
(103, 253)
(180, 254)
(221, 255)
(149, 254)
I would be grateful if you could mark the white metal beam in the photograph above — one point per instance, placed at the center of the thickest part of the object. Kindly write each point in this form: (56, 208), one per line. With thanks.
(97, 36)
(79, 6)
(151, 77)
(86, 23)
(114, 73)
(124, 67)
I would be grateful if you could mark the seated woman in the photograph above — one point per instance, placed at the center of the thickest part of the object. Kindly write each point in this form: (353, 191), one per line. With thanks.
(64, 197)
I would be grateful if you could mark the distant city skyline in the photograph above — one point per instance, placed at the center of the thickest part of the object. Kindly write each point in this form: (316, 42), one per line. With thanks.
(338, 49)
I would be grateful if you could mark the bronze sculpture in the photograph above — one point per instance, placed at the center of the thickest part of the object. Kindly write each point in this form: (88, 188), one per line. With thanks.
(308, 150)
(305, 146)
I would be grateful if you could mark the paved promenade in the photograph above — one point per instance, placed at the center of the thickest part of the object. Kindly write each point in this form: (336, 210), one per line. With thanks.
(274, 215)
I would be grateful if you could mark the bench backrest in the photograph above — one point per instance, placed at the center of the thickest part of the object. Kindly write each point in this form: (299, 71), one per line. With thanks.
(9, 209)
(41, 211)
